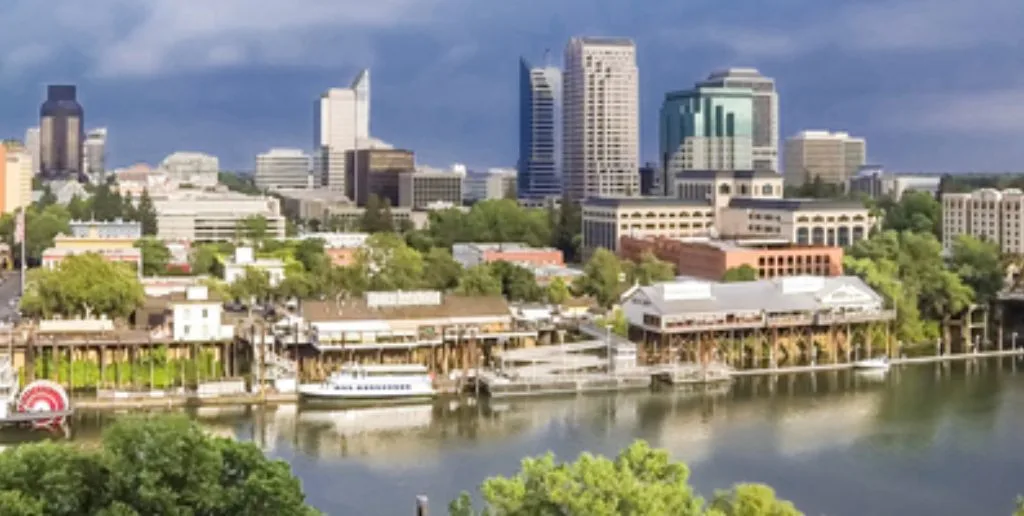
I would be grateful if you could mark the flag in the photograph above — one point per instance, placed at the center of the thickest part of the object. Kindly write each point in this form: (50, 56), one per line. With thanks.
(19, 229)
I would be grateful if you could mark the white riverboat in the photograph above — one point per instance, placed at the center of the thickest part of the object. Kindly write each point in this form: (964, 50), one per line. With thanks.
(373, 383)
(877, 364)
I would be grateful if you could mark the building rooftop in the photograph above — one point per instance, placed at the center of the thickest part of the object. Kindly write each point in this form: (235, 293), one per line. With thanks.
(506, 246)
(617, 202)
(607, 41)
(779, 295)
(737, 174)
(794, 204)
(450, 306)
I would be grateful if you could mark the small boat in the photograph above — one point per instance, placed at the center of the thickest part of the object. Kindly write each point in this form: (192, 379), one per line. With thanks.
(872, 364)
(373, 383)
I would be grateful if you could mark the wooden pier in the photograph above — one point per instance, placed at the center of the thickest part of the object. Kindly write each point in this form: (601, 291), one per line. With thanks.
(766, 371)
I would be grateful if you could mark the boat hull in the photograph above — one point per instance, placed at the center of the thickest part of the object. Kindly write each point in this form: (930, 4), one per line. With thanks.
(333, 396)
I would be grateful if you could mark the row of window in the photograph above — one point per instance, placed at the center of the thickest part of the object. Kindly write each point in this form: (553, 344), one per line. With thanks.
(386, 387)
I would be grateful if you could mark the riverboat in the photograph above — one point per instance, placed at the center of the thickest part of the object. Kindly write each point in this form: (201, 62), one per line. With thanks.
(42, 404)
(872, 364)
(372, 383)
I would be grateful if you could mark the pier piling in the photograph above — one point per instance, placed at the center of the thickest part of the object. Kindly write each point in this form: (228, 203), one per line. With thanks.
(422, 506)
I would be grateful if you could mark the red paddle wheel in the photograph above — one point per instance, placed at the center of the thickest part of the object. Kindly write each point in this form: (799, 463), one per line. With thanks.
(44, 396)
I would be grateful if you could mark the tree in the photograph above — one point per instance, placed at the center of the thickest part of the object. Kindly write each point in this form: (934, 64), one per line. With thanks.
(442, 270)
(517, 283)
(479, 281)
(48, 198)
(155, 256)
(147, 214)
(601, 277)
(979, 264)
(915, 211)
(84, 285)
(79, 209)
(650, 270)
(567, 224)
(185, 471)
(377, 215)
(41, 226)
(558, 291)
(742, 273)
(254, 228)
(388, 263)
(253, 284)
(296, 284)
(205, 260)
(641, 481)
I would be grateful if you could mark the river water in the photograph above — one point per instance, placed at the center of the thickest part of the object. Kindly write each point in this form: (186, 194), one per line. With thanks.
(931, 439)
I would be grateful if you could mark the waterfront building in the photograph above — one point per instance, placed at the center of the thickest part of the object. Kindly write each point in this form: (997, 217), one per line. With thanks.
(376, 171)
(988, 214)
(874, 182)
(709, 259)
(198, 316)
(600, 119)
(191, 168)
(800, 221)
(426, 188)
(781, 319)
(341, 119)
(473, 254)
(441, 331)
(607, 219)
(281, 168)
(15, 176)
(765, 141)
(540, 131)
(94, 155)
(208, 216)
(706, 128)
(61, 132)
(832, 157)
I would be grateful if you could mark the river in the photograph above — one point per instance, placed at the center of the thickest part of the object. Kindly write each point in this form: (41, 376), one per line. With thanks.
(927, 439)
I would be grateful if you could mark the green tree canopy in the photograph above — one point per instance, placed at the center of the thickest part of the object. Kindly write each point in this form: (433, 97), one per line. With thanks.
(501, 220)
(155, 256)
(84, 285)
(602, 277)
(517, 283)
(254, 283)
(742, 273)
(146, 213)
(182, 471)
(254, 228)
(377, 215)
(479, 281)
(558, 291)
(442, 271)
(649, 270)
(641, 481)
(916, 211)
(979, 264)
(388, 263)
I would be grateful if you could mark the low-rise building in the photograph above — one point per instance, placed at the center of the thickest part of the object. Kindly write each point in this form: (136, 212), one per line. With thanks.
(709, 259)
(121, 229)
(244, 258)
(442, 332)
(197, 316)
(206, 216)
(607, 219)
(874, 182)
(473, 254)
(91, 240)
(986, 213)
(801, 221)
(425, 187)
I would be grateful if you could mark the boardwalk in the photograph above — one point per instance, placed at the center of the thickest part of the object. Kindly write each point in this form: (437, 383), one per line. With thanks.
(894, 361)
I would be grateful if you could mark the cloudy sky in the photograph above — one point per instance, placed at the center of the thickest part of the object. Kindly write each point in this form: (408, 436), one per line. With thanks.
(934, 85)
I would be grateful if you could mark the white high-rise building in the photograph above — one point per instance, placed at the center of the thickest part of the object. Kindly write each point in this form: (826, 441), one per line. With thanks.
(282, 168)
(32, 144)
(94, 154)
(601, 133)
(341, 121)
(766, 111)
(192, 168)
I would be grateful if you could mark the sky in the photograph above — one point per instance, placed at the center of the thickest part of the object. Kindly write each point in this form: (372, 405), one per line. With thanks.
(934, 85)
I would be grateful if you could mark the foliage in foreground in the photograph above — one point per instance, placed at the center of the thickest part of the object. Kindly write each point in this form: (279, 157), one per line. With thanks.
(641, 481)
(148, 466)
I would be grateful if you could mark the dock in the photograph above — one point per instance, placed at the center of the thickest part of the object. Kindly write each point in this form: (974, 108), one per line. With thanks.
(841, 366)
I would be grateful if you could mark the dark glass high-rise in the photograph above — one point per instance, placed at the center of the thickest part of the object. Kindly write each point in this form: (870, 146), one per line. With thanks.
(61, 122)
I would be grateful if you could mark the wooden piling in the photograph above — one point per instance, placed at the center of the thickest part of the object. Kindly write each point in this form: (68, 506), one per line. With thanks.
(422, 506)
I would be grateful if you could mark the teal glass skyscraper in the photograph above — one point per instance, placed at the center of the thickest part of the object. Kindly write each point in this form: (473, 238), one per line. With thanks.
(706, 128)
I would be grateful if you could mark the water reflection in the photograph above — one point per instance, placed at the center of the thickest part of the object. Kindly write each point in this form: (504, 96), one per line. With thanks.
(829, 440)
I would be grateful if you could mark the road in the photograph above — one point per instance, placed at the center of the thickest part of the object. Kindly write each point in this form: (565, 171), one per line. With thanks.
(10, 289)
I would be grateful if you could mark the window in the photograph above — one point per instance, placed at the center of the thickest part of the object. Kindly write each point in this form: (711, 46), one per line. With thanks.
(206, 313)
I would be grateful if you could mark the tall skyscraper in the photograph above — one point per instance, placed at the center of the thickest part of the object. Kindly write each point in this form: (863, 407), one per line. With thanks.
(341, 122)
(32, 145)
(706, 128)
(766, 111)
(60, 134)
(540, 131)
(600, 118)
(833, 157)
(282, 168)
(94, 154)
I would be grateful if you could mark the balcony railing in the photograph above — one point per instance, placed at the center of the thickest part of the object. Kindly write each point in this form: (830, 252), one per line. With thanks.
(856, 317)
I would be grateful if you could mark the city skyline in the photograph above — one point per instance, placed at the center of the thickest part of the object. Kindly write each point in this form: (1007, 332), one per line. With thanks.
(452, 95)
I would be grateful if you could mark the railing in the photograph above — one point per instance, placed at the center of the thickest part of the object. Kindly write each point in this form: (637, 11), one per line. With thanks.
(856, 317)
(790, 320)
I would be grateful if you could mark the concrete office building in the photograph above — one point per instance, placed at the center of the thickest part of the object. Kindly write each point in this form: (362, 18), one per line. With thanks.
(540, 131)
(875, 182)
(765, 145)
(61, 133)
(706, 128)
(341, 119)
(94, 154)
(430, 188)
(719, 187)
(607, 219)
(376, 172)
(496, 183)
(987, 214)
(800, 221)
(116, 229)
(15, 176)
(192, 168)
(282, 169)
(205, 216)
(32, 144)
(833, 157)
(600, 118)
